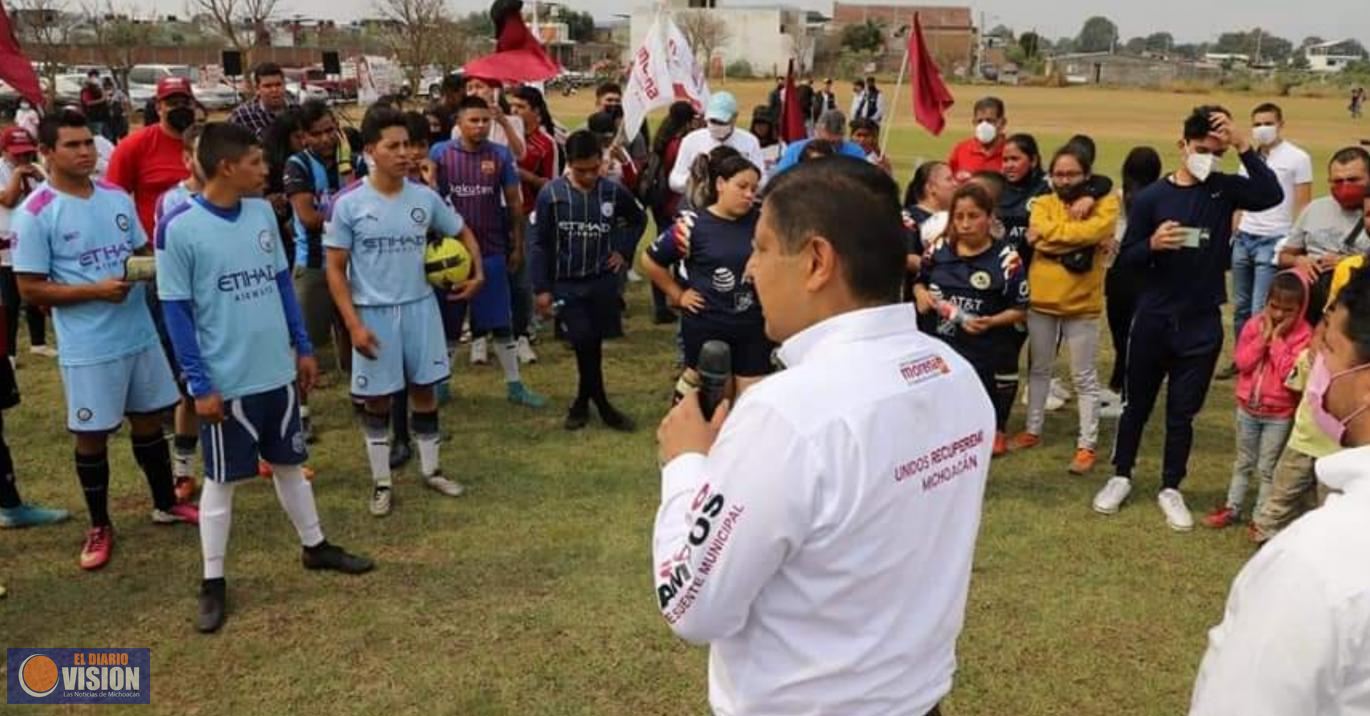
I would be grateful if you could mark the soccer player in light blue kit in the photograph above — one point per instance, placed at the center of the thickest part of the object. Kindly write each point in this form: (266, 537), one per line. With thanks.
(230, 308)
(375, 238)
(74, 235)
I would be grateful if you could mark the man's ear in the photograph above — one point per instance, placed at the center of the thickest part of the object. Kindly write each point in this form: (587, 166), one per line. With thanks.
(823, 263)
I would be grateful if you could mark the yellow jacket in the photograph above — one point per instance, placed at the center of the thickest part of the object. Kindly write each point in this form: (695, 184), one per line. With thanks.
(1056, 291)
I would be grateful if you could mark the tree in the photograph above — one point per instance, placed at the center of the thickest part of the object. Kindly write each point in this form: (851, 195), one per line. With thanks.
(241, 23)
(1310, 41)
(1002, 31)
(580, 25)
(1031, 44)
(802, 43)
(869, 36)
(1159, 42)
(43, 28)
(1099, 34)
(1135, 46)
(705, 32)
(118, 36)
(413, 34)
(1064, 45)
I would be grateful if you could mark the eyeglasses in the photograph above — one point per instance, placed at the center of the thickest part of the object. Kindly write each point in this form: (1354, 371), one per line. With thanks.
(1067, 176)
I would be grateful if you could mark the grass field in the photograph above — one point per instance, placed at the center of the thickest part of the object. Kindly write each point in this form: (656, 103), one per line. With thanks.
(533, 595)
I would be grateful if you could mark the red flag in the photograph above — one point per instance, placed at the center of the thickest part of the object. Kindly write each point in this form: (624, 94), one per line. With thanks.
(791, 117)
(15, 69)
(518, 56)
(931, 98)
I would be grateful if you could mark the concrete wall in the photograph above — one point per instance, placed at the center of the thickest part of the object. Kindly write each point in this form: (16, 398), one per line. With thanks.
(755, 35)
(1131, 72)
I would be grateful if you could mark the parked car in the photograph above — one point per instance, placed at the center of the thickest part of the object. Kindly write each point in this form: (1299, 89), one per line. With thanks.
(142, 86)
(338, 89)
(306, 93)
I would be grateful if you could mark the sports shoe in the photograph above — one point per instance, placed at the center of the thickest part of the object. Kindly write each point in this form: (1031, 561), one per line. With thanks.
(45, 351)
(400, 454)
(525, 351)
(1227, 373)
(577, 418)
(1177, 515)
(1024, 441)
(1111, 411)
(480, 352)
(1000, 445)
(213, 605)
(615, 420)
(1059, 396)
(1083, 462)
(98, 547)
(30, 516)
(1221, 516)
(180, 512)
(335, 558)
(380, 501)
(519, 394)
(185, 488)
(1112, 496)
(445, 486)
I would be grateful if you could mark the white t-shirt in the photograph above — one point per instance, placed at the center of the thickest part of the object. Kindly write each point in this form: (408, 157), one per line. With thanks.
(6, 172)
(1293, 167)
(701, 142)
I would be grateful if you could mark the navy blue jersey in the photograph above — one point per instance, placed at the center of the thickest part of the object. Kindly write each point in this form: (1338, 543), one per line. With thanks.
(715, 252)
(575, 231)
(986, 284)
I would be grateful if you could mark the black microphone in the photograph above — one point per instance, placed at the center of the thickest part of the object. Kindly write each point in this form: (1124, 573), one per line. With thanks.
(714, 368)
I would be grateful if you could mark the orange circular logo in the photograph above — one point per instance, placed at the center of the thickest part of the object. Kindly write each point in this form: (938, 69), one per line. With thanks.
(38, 675)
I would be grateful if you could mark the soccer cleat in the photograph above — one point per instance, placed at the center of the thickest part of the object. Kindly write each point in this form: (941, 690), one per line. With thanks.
(1111, 411)
(98, 547)
(335, 558)
(1177, 515)
(1221, 516)
(480, 352)
(180, 512)
(1000, 445)
(380, 501)
(519, 394)
(615, 420)
(45, 351)
(1112, 496)
(524, 348)
(1083, 462)
(447, 487)
(400, 454)
(1024, 441)
(213, 606)
(30, 516)
(577, 418)
(185, 488)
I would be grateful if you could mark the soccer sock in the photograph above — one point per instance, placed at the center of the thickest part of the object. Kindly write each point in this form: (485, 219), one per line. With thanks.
(426, 432)
(183, 456)
(506, 351)
(399, 417)
(376, 429)
(216, 516)
(297, 497)
(93, 472)
(9, 494)
(1002, 398)
(154, 457)
(591, 379)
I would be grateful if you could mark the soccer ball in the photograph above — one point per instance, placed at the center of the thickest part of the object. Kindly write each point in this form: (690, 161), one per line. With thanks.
(447, 263)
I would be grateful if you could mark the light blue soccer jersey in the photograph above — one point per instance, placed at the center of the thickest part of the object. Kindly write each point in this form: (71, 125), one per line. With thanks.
(387, 237)
(81, 241)
(225, 263)
(170, 199)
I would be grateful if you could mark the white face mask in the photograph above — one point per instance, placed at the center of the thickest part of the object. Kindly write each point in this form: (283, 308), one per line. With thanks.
(1200, 165)
(1266, 134)
(985, 132)
(720, 132)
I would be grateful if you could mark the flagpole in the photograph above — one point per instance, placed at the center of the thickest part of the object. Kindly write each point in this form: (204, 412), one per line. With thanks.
(894, 104)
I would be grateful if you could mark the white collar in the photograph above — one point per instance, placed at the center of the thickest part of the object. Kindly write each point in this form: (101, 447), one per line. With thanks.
(1345, 468)
(860, 324)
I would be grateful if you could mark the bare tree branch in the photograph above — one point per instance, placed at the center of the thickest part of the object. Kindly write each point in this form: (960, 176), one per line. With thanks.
(118, 34)
(241, 23)
(418, 34)
(705, 32)
(44, 29)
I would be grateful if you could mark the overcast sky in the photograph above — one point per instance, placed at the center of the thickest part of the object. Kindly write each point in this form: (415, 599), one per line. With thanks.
(1188, 20)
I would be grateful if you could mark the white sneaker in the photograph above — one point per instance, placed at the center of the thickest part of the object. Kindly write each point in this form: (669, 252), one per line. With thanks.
(445, 486)
(1111, 411)
(45, 351)
(380, 501)
(1108, 397)
(1177, 515)
(480, 352)
(1059, 396)
(1112, 496)
(634, 276)
(525, 351)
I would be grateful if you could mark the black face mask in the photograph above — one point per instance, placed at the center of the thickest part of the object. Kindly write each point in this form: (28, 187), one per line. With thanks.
(180, 118)
(615, 111)
(1072, 194)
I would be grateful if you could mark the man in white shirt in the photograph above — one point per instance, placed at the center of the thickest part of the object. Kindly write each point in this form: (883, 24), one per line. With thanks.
(1293, 639)
(820, 536)
(870, 104)
(1255, 245)
(721, 130)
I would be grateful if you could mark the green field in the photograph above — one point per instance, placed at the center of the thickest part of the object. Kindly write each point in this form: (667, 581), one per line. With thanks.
(533, 593)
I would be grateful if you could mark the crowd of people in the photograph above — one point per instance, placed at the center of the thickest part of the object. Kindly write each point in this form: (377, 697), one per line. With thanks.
(287, 246)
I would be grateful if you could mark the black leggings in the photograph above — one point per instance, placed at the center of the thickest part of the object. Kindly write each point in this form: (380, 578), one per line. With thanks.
(1121, 291)
(9, 295)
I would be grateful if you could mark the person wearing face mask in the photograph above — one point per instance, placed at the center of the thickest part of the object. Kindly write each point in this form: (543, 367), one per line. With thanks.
(1255, 245)
(721, 130)
(1177, 239)
(1292, 639)
(1330, 229)
(149, 161)
(985, 150)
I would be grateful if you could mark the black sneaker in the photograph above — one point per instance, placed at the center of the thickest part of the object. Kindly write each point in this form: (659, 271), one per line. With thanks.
(213, 605)
(400, 455)
(1227, 373)
(331, 556)
(577, 417)
(615, 420)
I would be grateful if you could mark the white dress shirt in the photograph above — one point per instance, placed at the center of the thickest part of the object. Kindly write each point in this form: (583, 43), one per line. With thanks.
(823, 547)
(1296, 635)
(701, 142)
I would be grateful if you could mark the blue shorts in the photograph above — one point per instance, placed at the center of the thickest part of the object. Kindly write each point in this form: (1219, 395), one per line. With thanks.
(99, 395)
(492, 309)
(413, 349)
(262, 424)
(590, 308)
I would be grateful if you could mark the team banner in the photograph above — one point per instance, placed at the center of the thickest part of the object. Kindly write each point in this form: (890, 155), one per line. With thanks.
(650, 85)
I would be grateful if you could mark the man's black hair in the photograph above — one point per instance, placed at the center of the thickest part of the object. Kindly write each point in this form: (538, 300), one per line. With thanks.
(267, 69)
(380, 118)
(470, 102)
(1199, 123)
(312, 112)
(608, 88)
(583, 144)
(1347, 155)
(50, 129)
(221, 142)
(987, 103)
(454, 83)
(1355, 298)
(852, 204)
(417, 123)
(865, 123)
(1269, 108)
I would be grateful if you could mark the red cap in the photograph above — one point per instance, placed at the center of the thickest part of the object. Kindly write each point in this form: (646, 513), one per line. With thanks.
(172, 86)
(16, 141)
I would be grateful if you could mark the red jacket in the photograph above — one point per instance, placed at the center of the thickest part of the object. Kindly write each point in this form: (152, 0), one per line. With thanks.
(1263, 366)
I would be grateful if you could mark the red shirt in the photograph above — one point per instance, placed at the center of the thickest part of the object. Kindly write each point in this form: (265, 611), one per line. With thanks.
(540, 159)
(971, 156)
(146, 164)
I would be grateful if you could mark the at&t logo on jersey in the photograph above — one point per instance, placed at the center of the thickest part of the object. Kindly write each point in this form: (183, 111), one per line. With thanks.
(79, 676)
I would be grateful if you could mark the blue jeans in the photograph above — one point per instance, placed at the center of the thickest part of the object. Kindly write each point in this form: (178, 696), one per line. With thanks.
(1259, 444)
(1253, 269)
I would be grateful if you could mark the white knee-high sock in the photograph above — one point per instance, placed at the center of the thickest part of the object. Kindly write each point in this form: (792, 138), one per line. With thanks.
(428, 437)
(507, 353)
(297, 497)
(216, 516)
(376, 430)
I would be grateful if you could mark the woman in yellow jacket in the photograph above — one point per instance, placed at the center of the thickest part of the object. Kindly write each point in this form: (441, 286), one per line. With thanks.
(1067, 280)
